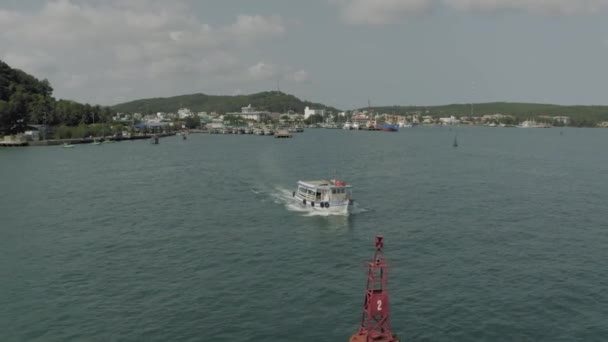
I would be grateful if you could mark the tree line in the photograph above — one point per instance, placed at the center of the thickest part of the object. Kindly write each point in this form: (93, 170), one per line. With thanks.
(272, 101)
(25, 100)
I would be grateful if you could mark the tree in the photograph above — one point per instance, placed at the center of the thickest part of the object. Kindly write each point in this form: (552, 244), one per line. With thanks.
(313, 119)
(192, 122)
(13, 115)
(38, 107)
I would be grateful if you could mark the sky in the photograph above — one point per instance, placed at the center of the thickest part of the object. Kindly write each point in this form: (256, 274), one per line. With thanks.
(337, 52)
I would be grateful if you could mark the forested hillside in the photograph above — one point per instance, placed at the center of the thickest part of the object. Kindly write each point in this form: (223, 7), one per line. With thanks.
(27, 100)
(273, 101)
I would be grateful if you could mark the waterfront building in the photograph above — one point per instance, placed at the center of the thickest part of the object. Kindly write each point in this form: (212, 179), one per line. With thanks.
(250, 113)
(308, 112)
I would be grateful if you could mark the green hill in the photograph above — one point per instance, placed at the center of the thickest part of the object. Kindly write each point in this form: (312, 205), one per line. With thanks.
(273, 101)
(20, 95)
(26, 100)
(581, 115)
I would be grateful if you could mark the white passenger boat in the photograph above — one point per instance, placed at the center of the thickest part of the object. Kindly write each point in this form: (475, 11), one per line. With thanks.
(331, 196)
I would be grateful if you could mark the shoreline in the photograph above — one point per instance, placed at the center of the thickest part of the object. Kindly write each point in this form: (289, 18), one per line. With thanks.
(75, 141)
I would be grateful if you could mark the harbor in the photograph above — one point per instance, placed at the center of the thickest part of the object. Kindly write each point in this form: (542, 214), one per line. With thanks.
(127, 227)
(286, 171)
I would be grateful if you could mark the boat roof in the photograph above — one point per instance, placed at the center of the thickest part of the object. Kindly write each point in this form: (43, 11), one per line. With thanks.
(322, 183)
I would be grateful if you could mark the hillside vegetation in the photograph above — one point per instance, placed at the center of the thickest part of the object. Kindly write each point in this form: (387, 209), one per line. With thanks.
(26, 100)
(580, 115)
(273, 101)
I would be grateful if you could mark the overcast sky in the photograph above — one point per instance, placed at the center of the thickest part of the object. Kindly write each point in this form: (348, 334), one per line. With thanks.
(339, 52)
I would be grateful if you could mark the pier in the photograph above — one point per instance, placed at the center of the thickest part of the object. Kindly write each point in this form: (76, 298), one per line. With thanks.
(16, 142)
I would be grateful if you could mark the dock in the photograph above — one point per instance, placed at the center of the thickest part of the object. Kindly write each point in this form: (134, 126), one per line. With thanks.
(15, 142)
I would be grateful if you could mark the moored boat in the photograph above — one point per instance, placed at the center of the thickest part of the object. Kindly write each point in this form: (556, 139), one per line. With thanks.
(334, 196)
(385, 126)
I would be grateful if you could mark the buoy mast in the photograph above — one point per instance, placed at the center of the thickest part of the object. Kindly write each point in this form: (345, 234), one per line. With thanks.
(375, 319)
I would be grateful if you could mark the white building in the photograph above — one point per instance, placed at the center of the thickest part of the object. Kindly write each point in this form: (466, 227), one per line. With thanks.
(308, 112)
(449, 121)
(249, 113)
(184, 113)
(563, 119)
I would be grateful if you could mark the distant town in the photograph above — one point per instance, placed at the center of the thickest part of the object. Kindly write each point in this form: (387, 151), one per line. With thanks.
(312, 117)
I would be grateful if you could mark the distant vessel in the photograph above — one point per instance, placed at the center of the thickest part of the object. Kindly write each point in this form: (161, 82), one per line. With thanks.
(355, 126)
(330, 196)
(385, 126)
(348, 125)
(66, 145)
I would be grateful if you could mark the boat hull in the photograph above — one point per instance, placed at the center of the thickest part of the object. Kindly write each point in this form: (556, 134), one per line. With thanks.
(334, 207)
(387, 127)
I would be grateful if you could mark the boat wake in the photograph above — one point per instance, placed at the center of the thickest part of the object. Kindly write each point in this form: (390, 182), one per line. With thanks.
(284, 197)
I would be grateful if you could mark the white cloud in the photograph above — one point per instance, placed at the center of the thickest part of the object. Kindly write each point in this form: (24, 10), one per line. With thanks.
(557, 7)
(90, 49)
(249, 27)
(297, 76)
(379, 12)
(262, 71)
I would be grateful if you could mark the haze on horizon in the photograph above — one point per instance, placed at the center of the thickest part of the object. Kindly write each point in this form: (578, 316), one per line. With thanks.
(338, 52)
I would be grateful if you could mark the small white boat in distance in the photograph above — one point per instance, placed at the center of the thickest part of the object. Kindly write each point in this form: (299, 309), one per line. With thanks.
(67, 145)
(348, 125)
(334, 196)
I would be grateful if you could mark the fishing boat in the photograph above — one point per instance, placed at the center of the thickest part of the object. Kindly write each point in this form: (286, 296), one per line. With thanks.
(385, 126)
(333, 196)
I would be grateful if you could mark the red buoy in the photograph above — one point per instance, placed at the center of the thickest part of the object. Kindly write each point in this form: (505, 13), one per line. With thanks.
(375, 319)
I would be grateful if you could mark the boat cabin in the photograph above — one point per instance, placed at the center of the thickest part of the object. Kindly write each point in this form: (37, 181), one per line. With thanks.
(324, 191)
